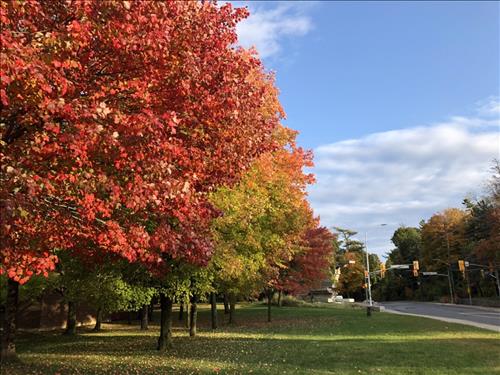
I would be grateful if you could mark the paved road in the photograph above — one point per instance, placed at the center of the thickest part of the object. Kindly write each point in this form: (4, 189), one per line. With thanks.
(478, 316)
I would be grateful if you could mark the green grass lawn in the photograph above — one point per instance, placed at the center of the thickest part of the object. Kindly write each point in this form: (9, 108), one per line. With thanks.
(300, 340)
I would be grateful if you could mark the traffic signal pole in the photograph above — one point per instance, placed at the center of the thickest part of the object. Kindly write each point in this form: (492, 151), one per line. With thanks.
(498, 282)
(493, 273)
(369, 307)
(451, 288)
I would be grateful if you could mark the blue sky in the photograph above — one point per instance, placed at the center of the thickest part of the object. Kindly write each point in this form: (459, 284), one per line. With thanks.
(399, 101)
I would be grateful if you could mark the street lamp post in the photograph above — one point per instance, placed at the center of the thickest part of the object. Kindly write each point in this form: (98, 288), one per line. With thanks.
(368, 279)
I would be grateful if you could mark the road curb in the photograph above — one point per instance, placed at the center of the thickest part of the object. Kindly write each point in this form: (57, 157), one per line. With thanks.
(375, 307)
(489, 327)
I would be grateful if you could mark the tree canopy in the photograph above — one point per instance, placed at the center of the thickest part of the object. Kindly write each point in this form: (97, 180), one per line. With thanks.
(117, 118)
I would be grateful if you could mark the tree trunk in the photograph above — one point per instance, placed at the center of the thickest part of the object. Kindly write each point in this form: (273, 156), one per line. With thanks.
(193, 316)
(151, 310)
(186, 315)
(8, 346)
(71, 322)
(213, 305)
(279, 298)
(232, 308)
(226, 304)
(98, 320)
(165, 339)
(181, 311)
(269, 301)
(144, 318)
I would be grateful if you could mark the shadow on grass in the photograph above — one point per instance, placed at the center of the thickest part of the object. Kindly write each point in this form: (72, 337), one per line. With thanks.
(315, 342)
(110, 353)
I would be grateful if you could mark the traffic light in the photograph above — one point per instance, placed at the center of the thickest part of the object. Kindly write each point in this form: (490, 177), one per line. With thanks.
(415, 268)
(382, 270)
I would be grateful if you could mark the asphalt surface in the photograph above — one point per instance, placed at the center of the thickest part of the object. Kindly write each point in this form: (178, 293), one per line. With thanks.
(487, 317)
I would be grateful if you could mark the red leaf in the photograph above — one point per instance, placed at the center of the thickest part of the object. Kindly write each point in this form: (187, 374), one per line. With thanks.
(3, 97)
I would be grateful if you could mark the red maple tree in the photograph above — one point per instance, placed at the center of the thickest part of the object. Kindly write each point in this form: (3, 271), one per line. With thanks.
(311, 266)
(117, 117)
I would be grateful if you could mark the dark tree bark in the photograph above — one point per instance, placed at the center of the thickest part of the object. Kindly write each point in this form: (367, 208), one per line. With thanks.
(144, 318)
(98, 320)
(8, 346)
(213, 306)
(193, 316)
(226, 304)
(269, 301)
(165, 339)
(129, 317)
(279, 298)
(186, 315)
(181, 311)
(151, 310)
(71, 322)
(232, 308)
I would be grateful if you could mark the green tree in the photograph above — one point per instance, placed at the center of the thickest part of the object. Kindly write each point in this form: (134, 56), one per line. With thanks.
(265, 218)
(408, 245)
(482, 231)
(350, 261)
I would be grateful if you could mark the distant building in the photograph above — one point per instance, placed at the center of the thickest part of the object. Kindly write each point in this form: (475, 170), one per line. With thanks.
(325, 293)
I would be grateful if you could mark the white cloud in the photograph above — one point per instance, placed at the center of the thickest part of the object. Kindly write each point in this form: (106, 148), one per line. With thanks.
(489, 106)
(266, 27)
(403, 176)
